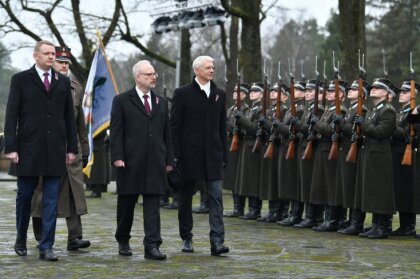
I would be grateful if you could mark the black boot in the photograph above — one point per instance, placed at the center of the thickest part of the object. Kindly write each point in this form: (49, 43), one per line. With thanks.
(343, 222)
(96, 191)
(238, 207)
(164, 200)
(284, 210)
(330, 223)
(295, 216)
(356, 223)
(384, 228)
(407, 225)
(275, 206)
(312, 216)
(375, 224)
(254, 212)
(175, 203)
(203, 208)
(264, 217)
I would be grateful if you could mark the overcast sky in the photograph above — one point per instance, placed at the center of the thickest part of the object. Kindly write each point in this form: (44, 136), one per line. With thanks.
(319, 9)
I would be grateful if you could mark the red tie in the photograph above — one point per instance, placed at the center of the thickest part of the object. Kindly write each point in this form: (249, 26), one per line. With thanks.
(46, 81)
(146, 104)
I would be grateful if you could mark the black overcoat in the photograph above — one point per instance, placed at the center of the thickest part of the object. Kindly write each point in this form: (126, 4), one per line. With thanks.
(40, 125)
(198, 126)
(142, 141)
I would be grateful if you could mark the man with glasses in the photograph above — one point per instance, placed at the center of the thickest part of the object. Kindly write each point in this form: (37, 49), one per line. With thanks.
(198, 126)
(142, 152)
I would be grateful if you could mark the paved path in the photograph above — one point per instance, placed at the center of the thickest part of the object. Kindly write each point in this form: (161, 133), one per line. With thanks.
(258, 250)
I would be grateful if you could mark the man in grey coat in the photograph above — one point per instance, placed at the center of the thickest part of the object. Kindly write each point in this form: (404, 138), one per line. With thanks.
(142, 152)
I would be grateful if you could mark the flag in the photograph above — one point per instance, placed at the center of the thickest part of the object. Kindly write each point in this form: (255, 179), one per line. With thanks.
(97, 100)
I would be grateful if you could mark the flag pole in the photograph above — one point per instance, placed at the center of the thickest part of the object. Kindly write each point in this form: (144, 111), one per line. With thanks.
(108, 65)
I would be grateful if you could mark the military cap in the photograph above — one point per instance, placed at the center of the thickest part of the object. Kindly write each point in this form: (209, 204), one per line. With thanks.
(311, 84)
(284, 88)
(385, 84)
(243, 87)
(257, 86)
(342, 85)
(406, 86)
(300, 85)
(62, 53)
(366, 86)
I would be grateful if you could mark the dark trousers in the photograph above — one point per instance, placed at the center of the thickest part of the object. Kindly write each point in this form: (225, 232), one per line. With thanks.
(74, 223)
(215, 204)
(26, 187)
(151, 219)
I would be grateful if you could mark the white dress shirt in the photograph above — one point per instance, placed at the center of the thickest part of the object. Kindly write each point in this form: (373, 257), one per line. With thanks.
(41, 74)
(205, 87)
(141, 94)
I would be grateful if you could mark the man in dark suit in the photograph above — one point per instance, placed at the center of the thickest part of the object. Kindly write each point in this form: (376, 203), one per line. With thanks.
(40, 135)
(198, 126)
(142, 152)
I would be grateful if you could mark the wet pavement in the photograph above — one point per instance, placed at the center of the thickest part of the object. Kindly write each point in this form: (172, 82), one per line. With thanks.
(257, 250)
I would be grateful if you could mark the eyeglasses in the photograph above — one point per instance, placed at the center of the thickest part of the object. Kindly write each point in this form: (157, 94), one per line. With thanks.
(150, 74)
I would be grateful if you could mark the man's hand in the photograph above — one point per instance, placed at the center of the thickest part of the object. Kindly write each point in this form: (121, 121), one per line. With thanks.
(70, 158)
(119, 164)
(169, 168)
(13, 157)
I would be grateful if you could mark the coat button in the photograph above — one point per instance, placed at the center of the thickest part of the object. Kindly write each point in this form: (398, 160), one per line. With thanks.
(48, 132)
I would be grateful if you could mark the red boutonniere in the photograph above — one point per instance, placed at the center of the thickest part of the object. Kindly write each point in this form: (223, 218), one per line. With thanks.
(56, 76)
(217, 97)
(157, 100)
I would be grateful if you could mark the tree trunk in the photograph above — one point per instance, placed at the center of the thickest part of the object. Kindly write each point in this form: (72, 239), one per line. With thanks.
(186, 73)
(352, 36)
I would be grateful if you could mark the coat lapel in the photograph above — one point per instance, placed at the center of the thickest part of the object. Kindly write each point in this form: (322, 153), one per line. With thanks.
(37, 79)
(155, 103)
(134, 97)
(54, 80)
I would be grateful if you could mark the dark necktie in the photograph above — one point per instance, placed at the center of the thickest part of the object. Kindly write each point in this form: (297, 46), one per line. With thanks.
(46, 81)
(146, 104)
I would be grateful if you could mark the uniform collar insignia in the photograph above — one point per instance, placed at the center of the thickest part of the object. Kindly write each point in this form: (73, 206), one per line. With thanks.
(331, 108)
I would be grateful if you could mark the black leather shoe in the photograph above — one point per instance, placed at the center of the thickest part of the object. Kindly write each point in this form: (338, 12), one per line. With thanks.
(234, 214)
(201, 210)
(94, 194)
(124, 249)
(366, 233)
(187, 246)
(20, 248)
(173, 205)
(77, 243)
(264, 217)
(252, 215)
(48, 255)
(404, 231)
(153, 253)
(218, 249)
(306, 223)
(352, 230)
(290, 221)
(327, 226)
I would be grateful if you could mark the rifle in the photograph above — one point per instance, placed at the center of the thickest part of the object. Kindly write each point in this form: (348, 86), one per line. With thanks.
(352, 155)
(307, 155)
(237, 129)
(260, 128)
(334, 147)
(408, 153)
(273, 134)
(325, 87)
(290, 155)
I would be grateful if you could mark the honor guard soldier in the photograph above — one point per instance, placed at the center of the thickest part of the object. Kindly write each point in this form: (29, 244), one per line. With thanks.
(403, 174)
(287, 168)
(414, 118)
(377, 187)
(313, 212)
(269, 179)
(248, 181)
(347, 171)
(229, 179)
(323, 187)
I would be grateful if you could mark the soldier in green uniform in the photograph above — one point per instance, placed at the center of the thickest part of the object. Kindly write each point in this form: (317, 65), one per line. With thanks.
(249, 166)
(346, 171)
(377, 187)
(230, 175)
(287, 169)
(269, 180)
(313, 212)
(323, 187)
(403, 174)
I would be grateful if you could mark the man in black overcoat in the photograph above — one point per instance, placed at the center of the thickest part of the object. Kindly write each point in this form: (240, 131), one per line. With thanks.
(40, 135)
(141, 150)
(198, 126)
